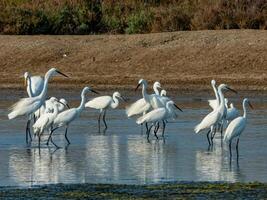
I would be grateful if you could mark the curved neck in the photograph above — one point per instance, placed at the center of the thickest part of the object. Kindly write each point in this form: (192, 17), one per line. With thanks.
(44, 91)
(216, 94)
(221, 98)
(155, 88)
(144, 93)
(115, 102)
(30, 86)
(81, 107)
(244, 109)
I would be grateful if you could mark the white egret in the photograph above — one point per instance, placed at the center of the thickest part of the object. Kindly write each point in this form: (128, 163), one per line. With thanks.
(27, 106)
(34, 84)
(66, 117)
(45, 121)
(236, 127)
(103, 103)
(157, 115)
(213, 118)
(141, 106)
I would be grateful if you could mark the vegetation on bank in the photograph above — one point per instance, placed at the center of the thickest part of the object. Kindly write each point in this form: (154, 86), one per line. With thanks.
(128, 16)
(194, 190)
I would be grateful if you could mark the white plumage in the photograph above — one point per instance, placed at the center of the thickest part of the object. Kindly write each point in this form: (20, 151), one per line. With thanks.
(103, 103)
(35, 84)
(232, 113)
(236, 127)
(66, 117)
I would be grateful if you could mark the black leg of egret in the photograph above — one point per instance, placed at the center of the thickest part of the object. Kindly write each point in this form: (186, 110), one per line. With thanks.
(66, 137)
(146, 127)
(222, 131)
(39, 140)
(26, 133)
(104, 119)
(99, 117)
(155, 130)
(54, 143)
(148, 132)
(230, 149)
(208, 137)
(157, 127)
(50, 135)
(237, 153)
(163, 130)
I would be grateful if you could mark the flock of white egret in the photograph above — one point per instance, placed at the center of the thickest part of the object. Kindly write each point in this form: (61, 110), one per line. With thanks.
(50, 114)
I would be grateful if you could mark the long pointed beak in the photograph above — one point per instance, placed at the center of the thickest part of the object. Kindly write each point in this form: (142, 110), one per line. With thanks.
(62, 74)
(137, 87)
(232, 90)
(67, 106)
(250, 105)
(123, 98)
(178, 107)
(94, 91)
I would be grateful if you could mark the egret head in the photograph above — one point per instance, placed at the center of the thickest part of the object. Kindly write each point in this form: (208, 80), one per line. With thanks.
(246, 101)
(163, 93)
(117, 94)
(64, 102)
(88, 89)
(54, 72)
(157, 84)
(140, 82)
(213, 82)
(226, 87)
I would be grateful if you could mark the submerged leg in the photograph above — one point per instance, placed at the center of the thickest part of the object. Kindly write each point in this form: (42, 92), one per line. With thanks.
(104, 119)
(66, 137)
(99, 117)
(155, 130)
(50, 135)
(230, 149)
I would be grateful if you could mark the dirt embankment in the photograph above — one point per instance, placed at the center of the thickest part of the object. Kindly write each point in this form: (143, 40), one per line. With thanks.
(179, 60)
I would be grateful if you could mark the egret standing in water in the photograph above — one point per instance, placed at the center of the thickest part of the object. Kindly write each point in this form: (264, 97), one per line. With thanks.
(236, 127)
(27, 106)
(103, 103)
(157, 115)
(213, 118)
(66, 117)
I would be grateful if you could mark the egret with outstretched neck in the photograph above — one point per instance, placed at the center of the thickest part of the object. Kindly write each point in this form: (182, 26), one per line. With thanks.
(27, 106)
(66, 117)
(236, 127)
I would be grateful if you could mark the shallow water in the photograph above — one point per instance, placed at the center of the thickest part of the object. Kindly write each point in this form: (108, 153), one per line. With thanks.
(123, 154)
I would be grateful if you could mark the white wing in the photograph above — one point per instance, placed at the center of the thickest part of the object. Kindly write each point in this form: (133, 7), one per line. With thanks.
(65, 117)
(235, 128)
(208, 121)
(99, 102)
(24, 106)
(153, 116)
(137, 108)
